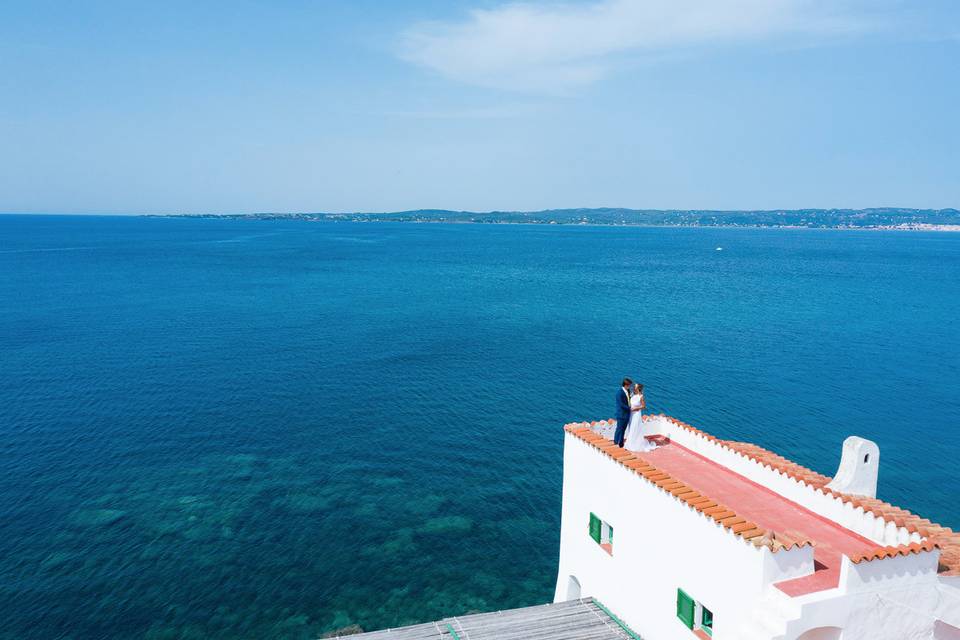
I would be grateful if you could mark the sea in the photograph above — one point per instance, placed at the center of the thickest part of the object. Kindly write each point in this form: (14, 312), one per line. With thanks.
(229, 428)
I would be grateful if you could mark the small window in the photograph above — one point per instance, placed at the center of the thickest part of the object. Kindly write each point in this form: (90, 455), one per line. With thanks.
(706, 620)
(602, 533)
(606, 534)
(694, 615)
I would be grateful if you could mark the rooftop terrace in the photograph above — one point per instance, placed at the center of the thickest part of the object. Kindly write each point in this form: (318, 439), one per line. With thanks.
(765, 517)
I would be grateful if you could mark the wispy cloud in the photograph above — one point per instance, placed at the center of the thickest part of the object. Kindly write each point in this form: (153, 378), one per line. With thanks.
(499, 112)
(550, 46)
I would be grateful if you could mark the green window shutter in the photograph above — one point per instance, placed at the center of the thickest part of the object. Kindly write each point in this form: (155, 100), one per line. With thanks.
(595, 528)
(685, 608)
(706, 620)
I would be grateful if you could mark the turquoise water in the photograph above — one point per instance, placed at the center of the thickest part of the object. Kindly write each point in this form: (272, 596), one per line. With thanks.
(243, 429)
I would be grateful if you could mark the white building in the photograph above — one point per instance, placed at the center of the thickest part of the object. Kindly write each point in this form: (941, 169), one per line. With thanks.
(705, 537)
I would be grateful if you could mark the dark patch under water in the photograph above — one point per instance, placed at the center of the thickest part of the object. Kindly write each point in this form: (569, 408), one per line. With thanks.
(242, 429)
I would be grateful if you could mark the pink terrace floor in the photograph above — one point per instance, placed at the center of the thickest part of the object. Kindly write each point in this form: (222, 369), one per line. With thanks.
(767, 509)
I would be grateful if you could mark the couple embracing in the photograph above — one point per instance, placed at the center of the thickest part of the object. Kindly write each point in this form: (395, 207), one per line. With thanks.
(630, 405)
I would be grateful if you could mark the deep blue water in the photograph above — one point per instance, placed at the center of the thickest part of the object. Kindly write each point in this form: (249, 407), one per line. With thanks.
(252, 429)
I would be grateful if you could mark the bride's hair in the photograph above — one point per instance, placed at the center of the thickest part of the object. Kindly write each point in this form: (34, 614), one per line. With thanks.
(638, 388)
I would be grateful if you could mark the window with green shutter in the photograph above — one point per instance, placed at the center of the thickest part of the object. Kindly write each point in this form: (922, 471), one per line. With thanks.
(595, 526)
(602, 533)
(685, 608)
(694, 615)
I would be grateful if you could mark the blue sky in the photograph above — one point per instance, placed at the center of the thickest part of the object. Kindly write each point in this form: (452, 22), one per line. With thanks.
(361, 105)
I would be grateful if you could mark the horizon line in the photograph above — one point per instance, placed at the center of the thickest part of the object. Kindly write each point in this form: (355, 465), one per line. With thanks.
(465, 211)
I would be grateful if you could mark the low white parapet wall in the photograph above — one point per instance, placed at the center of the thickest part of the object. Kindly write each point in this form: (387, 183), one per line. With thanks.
(889, 573)
(787, 564)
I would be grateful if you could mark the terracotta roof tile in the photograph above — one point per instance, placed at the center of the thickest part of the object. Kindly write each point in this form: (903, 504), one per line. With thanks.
(880, 553)
(750, 534)
(637, 464)
(732, 521)
(723, 515)
(668, 483)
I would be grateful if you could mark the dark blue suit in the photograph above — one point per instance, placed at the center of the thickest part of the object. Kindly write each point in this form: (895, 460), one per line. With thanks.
(623, 416)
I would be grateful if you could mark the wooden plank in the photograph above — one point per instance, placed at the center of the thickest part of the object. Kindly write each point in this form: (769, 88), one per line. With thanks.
(573, 620)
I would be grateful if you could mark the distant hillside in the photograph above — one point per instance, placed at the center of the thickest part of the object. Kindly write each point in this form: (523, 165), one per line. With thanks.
(815, 218)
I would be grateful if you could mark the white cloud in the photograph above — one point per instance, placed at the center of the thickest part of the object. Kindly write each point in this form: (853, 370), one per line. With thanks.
(549, 46)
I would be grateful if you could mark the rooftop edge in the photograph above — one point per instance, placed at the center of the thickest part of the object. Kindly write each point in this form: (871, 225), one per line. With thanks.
(936, 536)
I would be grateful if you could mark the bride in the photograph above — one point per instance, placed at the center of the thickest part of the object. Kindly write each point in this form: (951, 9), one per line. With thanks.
(636, 439)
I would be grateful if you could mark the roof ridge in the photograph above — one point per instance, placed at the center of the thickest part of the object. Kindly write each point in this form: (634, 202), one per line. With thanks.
(719, 513)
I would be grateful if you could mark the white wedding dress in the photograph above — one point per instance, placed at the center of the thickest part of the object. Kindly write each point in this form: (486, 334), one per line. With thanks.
(636, 436)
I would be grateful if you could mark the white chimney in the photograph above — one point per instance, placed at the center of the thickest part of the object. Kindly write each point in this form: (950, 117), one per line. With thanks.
(859, 468)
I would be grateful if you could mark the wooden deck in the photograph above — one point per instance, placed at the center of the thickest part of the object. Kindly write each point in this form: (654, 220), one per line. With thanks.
(573, 620)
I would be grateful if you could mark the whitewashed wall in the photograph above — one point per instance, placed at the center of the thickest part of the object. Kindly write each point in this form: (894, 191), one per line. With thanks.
(660, 544)
(891, 599)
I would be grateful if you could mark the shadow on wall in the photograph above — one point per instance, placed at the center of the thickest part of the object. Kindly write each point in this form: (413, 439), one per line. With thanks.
(944, 631)
(822, 633)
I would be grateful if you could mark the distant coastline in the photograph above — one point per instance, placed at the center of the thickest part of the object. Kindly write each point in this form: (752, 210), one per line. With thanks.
(881, 219)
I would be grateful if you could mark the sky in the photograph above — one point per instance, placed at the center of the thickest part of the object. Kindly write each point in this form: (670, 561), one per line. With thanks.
(126, 107)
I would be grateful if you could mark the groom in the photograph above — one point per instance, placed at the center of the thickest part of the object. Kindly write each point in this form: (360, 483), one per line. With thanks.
(623, 411)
